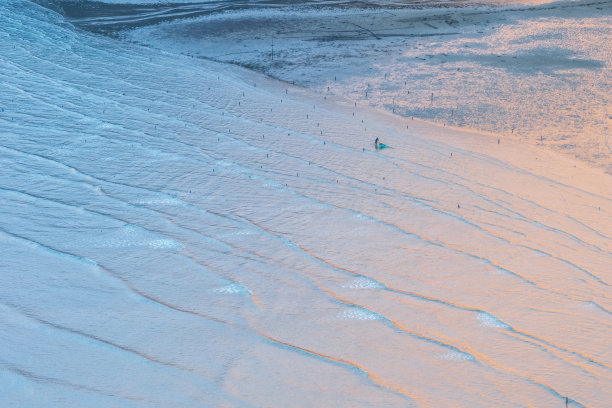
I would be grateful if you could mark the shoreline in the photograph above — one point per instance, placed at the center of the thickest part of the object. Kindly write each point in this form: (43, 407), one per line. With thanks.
(491, 68)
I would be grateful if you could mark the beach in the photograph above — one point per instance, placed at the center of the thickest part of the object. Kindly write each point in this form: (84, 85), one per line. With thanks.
(178, 231)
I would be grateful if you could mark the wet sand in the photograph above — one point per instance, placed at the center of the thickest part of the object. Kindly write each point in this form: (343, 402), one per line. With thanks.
(539, 73)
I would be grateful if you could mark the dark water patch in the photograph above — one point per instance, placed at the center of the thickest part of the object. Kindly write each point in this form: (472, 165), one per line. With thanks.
(105, 18)
(534, 61)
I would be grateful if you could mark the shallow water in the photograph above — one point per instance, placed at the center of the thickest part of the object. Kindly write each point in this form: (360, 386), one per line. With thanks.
(538, 73)
(177, 232)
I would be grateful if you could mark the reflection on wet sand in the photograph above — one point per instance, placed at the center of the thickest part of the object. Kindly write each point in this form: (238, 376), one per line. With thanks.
(537, 73)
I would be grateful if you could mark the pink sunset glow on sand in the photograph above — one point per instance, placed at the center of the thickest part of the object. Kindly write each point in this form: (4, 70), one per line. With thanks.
(183, 232)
